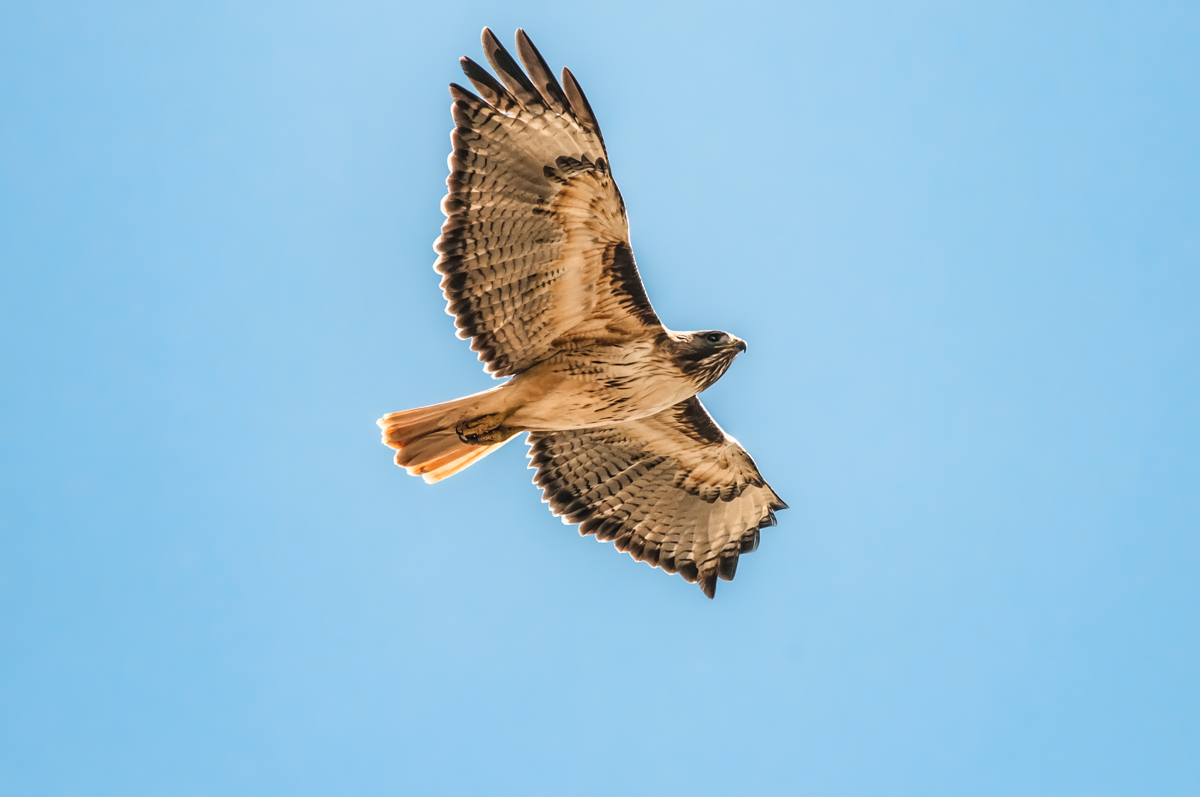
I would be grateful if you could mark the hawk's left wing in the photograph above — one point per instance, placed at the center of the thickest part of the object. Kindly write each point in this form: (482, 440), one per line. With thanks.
(672, 490)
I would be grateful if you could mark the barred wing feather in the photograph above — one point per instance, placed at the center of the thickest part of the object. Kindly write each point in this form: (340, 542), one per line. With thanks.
(535, 248)
(672, 490)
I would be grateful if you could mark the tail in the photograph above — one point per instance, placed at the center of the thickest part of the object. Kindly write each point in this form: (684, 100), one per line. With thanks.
(427, 442)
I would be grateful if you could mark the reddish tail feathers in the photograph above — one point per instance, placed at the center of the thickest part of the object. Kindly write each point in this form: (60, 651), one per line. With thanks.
(427, 443)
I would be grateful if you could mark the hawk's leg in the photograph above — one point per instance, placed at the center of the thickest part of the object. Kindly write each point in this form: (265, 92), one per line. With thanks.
(485, 431)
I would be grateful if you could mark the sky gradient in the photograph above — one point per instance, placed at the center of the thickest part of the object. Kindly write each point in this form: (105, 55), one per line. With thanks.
(962, 245)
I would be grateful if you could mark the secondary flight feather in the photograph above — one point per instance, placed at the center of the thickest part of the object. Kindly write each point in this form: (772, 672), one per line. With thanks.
(539, 274)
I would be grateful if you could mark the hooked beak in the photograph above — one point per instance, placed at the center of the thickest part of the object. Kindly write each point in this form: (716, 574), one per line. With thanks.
(740, 345)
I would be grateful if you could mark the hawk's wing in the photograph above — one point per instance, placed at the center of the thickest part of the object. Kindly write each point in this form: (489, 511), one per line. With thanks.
(672, 490)
(535, 248)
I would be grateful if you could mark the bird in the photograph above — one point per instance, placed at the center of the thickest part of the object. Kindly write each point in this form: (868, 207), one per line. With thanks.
(538, 272)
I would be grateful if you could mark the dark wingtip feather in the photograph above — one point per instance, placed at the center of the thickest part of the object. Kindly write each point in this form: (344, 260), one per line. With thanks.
(749, 542)
(727, 566)
(540, 73)
(488, 87)
(580, 105)
(509, 70)
(460, 94)
(708, 583)
(689, 571)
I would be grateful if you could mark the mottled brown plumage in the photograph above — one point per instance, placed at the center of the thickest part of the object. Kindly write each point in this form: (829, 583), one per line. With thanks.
(539, 274)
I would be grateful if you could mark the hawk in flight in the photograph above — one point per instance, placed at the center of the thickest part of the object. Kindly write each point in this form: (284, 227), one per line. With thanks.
(538, 272)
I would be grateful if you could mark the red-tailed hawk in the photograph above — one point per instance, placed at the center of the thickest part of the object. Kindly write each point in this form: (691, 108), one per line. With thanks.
(539, 274)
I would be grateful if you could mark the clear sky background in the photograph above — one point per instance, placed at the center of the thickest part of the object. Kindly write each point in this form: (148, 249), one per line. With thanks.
(964, 248)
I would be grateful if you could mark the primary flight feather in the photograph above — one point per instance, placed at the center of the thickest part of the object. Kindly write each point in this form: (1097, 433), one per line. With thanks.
(539, 273)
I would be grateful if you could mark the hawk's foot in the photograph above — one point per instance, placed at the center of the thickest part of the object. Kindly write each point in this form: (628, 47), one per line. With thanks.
(485, 431)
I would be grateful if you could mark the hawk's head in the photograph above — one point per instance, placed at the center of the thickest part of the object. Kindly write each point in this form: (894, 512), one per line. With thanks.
(706, 355)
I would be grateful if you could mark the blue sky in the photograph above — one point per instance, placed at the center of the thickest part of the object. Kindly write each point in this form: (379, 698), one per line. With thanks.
(962, 244)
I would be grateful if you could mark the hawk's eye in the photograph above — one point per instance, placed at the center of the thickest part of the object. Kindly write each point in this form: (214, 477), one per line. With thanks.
(713, 337)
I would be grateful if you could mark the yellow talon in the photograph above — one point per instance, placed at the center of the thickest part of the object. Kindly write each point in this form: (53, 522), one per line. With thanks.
(485, 430)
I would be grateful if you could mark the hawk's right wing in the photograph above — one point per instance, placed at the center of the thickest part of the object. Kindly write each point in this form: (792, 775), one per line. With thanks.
(672, 490)
(535, 248)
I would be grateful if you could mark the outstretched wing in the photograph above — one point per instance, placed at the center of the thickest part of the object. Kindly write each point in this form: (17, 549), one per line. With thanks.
(672, 490)
(535, 248)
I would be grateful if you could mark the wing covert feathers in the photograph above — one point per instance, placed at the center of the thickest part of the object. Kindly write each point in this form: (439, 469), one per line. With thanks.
(536, 242)
(672, 490)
